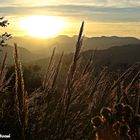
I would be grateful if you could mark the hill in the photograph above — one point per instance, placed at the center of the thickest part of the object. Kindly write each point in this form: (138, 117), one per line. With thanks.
(126, 54)
(115, 56)
(104, 42)
(126, 48)
(24, 54)
(67, 44)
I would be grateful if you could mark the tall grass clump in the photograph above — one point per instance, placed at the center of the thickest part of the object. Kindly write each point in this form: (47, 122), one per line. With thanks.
(67, 113)
(7, 123)
(86, 104)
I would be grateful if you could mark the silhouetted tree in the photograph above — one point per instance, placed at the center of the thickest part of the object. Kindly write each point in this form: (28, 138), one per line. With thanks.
(5, 36)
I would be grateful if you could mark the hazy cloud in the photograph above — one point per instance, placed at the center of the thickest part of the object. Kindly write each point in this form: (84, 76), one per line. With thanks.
(119, 3)
(103, 17)
(92, 13)
(105, 3)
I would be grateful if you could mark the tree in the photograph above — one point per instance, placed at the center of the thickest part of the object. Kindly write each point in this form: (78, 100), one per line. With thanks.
(5, 36)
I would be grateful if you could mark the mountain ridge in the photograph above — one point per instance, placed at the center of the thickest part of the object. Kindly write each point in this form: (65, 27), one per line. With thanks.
(125, 55)
(67, 44)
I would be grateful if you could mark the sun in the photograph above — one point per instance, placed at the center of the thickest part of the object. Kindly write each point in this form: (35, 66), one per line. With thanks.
(42, 26)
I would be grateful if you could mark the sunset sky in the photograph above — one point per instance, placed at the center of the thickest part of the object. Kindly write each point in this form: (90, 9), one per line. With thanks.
(102, 17)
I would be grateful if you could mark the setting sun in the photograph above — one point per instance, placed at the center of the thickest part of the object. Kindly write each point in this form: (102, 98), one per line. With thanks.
(42, 26)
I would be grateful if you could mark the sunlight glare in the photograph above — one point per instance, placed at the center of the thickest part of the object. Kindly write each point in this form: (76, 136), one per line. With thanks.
(42, 26)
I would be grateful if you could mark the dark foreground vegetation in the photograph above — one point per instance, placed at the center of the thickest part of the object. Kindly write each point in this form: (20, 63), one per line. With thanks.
(88, 106)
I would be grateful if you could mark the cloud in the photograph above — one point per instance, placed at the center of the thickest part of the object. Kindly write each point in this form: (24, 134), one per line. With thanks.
(103, 17)
(108, 3)
(104, 3)
(81, 12)
(117, 3)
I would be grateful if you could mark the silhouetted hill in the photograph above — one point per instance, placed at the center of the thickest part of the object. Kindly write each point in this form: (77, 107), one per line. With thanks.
(107, 42)
(67, 44)
(24, 55)
(126, 50)
(115, 56)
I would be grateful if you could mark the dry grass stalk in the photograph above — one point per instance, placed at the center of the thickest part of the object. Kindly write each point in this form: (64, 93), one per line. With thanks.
(72, 69)
(49, 68)
(134, 80)
(70, 77)
(20, 95)
(57, 72)
(75, 59)
(3, 65)
(3, 72)
(125, 74)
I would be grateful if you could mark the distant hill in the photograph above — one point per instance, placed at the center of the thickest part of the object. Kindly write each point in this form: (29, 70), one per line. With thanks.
(104, 42)
(125, 55)
(126, 48)
(24, 54)
(67, 44)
